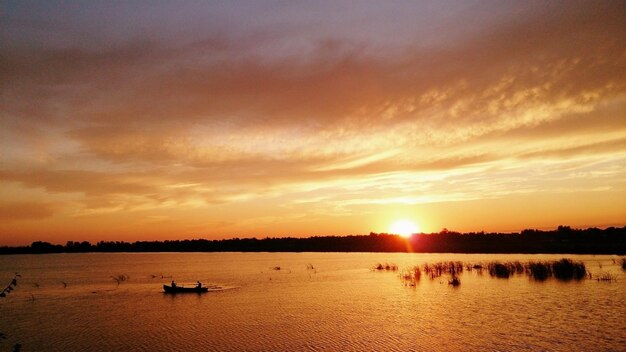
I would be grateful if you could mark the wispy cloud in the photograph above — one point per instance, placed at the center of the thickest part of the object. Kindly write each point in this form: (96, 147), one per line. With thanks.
(310, 119)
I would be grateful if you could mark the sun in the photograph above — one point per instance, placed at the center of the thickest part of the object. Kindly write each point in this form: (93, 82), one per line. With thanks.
(404, 228)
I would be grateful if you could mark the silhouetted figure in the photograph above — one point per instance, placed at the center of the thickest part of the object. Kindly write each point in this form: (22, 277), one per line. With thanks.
(173, 284)
(199, 285)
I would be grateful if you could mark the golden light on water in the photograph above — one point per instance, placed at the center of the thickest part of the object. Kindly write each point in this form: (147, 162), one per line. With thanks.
(404, 228)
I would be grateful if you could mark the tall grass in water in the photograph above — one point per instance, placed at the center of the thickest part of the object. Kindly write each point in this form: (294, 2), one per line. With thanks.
(606, 277)
(386, 266)
(539, 271)
(437, 269)
(504, 270)
(478, 267)
(120, 278)
(11, 286)
(412, 276)
(566, 269)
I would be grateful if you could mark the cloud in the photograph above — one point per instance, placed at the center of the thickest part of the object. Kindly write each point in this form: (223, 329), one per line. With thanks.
(605, 147)
(496, 99)
(88, 182)
(25, 211)
(147, 84)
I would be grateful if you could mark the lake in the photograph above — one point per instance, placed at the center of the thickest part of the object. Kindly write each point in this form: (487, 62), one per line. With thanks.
(315, 302)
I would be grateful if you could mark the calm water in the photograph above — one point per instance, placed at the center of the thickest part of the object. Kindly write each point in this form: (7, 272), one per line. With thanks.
(340, 305)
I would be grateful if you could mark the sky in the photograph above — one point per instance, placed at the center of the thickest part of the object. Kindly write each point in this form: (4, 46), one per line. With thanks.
(197, 119)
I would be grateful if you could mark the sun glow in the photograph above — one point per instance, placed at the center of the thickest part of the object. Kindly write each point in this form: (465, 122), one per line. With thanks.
(404, 228)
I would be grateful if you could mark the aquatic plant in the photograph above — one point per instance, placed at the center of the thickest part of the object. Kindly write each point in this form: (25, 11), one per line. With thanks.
(120, 278)
(504, 270)
(477, 267)
(519, 267)
(538, 270)
(417, 273)
(500, 270)
(470, 267)
(386, 266)
(606, 276)
(435, 270)
(455, 267)
(411, 276)
(454, 281)
(566, 269)
(11, 286)
(563, 269)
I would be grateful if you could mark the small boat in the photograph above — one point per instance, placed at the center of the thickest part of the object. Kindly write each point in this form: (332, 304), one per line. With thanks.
(182, 289)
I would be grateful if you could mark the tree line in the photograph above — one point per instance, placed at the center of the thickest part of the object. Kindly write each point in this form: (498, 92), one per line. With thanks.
(564, 239)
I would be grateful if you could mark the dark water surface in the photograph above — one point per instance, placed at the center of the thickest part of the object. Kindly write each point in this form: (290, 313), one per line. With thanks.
(315, 302)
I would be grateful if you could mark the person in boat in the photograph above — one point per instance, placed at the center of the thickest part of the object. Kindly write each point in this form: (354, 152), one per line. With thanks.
(199, 285)
(173, 284)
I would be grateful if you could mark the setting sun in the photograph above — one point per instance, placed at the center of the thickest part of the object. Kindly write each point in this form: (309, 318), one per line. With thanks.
(404, 228)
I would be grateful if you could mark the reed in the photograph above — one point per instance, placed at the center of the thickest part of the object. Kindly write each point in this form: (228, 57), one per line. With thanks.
(566, 269)
(11, 286)
(501, 270)
(477, 267)
(471, 266)
(435, 270)
(411, 276)
(386, 267)
(563, 269)
(519, 267)
(454, 281)
(539, 271)
(417, 273)
(606, 277)
(120, 278)
(455, 267)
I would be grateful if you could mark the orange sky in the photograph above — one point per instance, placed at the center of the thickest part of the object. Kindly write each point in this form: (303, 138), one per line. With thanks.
(143, 121)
